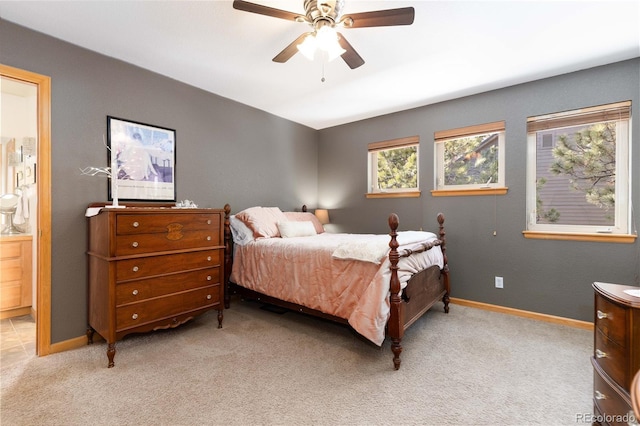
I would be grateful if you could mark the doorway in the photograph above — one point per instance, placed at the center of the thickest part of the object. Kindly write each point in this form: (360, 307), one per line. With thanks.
(29, 173)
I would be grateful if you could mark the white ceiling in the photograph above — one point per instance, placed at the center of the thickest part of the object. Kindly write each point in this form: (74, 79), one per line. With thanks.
(453, 49)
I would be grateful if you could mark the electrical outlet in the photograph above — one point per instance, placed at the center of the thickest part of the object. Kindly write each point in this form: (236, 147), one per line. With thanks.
(499, 282)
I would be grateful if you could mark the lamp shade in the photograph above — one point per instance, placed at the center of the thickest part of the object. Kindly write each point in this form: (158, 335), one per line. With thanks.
(322, 215)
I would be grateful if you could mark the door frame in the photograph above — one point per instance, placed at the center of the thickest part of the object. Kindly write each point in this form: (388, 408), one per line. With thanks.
(42, 235)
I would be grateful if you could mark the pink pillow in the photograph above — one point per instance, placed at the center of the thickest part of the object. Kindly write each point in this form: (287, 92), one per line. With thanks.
(263, 221)
(305, 217)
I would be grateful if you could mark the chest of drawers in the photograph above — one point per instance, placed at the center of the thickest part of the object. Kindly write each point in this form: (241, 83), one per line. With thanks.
(153, 268)
(616, 357)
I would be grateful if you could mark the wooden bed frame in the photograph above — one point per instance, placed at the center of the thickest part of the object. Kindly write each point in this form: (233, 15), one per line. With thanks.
(423, 289)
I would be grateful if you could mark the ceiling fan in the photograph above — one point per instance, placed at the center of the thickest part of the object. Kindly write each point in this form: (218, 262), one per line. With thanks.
(324, 17)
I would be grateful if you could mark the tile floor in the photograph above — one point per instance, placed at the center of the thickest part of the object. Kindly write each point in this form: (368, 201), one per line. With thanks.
(17, 340)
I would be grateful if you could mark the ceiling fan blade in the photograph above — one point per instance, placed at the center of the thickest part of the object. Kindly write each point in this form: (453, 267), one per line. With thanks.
(351, 57)
(380, 18)
(290, 50)
(265, 10)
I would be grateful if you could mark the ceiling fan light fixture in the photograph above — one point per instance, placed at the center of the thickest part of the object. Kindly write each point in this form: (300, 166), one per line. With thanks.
(308, 47)
(327, 40)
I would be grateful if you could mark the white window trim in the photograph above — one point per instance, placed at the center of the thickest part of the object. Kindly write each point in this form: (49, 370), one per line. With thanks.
(622, 218)
(372, 164)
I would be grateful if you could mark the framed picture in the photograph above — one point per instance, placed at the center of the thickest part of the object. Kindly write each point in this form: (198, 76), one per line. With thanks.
(144, 160)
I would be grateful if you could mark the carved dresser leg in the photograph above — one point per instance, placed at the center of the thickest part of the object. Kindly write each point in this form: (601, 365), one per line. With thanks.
(111, 353)
(90, 332)
(220, 316)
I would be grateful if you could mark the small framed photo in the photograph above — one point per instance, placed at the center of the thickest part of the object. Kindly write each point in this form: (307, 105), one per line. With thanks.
(142, 158)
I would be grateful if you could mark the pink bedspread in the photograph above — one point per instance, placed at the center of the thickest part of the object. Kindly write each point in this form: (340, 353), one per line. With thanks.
(303, 270)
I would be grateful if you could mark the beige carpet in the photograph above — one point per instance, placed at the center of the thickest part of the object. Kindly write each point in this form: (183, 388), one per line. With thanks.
(468, 367)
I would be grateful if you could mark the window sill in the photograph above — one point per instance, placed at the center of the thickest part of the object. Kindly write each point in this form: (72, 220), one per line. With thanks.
(466, 192)
(569, 236)
(402, 194)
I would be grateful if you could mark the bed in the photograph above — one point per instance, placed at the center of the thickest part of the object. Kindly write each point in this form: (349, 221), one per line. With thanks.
(377, 284)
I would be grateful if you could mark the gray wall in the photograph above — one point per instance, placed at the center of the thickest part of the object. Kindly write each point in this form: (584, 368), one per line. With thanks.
(291, 164)
(552, 277)
(226, 152)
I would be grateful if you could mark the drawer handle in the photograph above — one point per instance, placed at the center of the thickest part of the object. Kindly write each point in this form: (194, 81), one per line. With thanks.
(600, 395)
(208, 258)
(208, 297)
(136, 269)
(135, 292)
(209, 222)
(602, 315)
(600, 354)
(208, 237)
(134, 316)
(136, 224)
(134, 244)
(208, 277)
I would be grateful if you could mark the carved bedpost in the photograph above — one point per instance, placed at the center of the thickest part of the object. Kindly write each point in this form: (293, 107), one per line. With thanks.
(395, 326)
(445, 271)
(228, 261)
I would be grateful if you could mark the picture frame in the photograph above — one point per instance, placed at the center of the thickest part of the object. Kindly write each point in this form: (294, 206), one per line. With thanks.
(142, 158)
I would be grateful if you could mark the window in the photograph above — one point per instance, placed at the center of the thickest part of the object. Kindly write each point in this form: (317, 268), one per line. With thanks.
(578, 171)
(393, 167)
(470, 158)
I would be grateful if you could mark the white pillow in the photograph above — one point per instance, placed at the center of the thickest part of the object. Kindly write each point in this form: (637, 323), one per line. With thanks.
(296, 229)
(240, 232)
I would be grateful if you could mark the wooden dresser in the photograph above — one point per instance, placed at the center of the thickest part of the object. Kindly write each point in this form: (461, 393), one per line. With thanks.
(616, 356)
(153, 268)
(16, 272)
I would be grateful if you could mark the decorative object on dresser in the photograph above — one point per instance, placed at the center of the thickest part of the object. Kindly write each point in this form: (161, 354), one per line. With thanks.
(152, 267)
(144, 158)
(616, 356)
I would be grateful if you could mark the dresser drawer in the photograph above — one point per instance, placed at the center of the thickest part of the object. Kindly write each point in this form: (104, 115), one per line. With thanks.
(611, 320)
(11, 295)
(136, 291)
(151, 243)
(167, 223)
(611, 402)
(142, 267)
(11, 270)
(138, 314)
(10, 250)
(611, 357)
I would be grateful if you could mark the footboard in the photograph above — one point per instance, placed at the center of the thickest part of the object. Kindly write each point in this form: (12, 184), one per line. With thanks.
(423, 290)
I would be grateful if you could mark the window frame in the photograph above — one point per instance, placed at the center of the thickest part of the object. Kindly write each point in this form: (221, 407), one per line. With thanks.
(620, 231)
(374, 191)
(443, 136)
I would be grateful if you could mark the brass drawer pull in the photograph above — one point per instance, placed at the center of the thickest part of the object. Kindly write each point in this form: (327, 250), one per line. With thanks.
(208, 277)
(600, 354)
(134, 316)
(208, 297)
(208, 237)
(134, 244)
(136, 269)
(601, 315)
(136, 224)
(208, 258)
(134, 292)
(600, 395)
(209, 222)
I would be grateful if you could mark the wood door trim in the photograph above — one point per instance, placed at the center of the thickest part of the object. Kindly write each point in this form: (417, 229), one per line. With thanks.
(43, 232)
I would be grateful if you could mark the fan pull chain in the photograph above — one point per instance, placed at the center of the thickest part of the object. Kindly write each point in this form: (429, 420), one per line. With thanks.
(322, 79)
